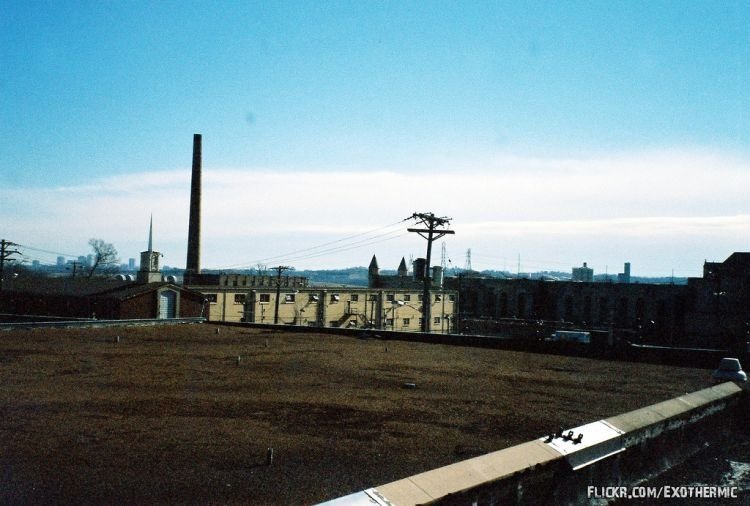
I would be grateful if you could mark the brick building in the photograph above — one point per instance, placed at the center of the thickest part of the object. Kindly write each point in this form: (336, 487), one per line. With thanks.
(98, 298)
(712, 311)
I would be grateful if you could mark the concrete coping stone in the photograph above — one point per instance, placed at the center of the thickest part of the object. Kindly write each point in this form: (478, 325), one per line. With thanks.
(430, 486)
(465, 475)
(663, 411)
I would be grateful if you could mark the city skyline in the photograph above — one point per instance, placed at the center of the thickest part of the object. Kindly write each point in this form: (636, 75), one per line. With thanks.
(560, 134)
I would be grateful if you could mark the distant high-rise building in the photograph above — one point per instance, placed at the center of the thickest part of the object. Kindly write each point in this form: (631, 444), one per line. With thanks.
(624, 277)
(584, 273)
(61, 261)
(131, 264)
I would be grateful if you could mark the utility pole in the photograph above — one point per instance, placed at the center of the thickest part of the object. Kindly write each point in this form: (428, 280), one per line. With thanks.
(5, 254)
(279, 270)
(75, 264)
(432, 231)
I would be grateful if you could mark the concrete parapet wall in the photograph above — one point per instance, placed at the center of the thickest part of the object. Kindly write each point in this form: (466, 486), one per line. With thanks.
(87, 323)
(623, 450)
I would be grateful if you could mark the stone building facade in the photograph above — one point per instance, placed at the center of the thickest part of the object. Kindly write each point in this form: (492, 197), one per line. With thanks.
(288, 300)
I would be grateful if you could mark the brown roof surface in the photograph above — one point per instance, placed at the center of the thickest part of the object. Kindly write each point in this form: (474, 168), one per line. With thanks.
(84, 287)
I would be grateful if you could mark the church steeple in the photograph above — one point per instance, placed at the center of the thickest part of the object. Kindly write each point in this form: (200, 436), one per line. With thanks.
(149, 271)
(151, 234)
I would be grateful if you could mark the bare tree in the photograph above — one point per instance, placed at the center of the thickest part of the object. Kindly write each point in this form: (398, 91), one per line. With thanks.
(105, 256)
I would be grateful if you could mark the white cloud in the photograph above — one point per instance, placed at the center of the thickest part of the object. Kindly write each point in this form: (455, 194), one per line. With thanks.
(583, 207)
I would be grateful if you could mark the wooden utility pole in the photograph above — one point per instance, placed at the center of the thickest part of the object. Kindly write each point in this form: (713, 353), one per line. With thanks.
(5, 254)
(75, 264)
(279, 270)
(432, 231)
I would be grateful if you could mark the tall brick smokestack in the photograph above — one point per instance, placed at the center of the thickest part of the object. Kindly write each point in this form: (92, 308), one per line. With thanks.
(194, 230)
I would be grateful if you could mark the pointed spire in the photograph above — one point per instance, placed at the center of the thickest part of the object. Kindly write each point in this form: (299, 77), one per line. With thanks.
(151, 234)
(374, 263)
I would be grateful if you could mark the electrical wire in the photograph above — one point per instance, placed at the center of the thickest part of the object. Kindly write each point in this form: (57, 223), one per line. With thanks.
(318, 250)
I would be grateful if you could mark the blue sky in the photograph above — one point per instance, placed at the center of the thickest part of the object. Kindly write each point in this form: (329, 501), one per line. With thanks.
(562, 132)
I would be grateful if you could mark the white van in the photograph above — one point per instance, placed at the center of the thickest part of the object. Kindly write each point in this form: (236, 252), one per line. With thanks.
(571, 336)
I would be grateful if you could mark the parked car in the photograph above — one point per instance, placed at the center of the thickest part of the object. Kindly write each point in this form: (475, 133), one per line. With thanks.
(729, 370)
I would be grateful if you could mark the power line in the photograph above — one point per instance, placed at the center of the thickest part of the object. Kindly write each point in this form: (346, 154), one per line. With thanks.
(47, 251)
(317, 251)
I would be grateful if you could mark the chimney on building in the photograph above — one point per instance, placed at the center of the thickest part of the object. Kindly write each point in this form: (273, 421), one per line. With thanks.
(193, 266)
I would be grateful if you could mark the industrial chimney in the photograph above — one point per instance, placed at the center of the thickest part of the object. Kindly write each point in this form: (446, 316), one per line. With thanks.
(193, 266)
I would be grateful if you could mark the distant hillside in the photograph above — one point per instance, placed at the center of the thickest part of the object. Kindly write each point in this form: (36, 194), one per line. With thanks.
(357, 276)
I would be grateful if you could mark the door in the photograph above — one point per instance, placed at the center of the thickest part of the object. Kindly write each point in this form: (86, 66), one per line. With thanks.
(167, 304)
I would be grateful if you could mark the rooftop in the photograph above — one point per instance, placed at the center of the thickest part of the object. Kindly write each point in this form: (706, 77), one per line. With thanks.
(171, 414)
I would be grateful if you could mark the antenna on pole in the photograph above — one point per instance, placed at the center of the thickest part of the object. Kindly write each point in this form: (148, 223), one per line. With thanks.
(432, 231)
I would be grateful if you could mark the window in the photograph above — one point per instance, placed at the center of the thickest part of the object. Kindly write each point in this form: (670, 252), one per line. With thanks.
(407, 321)
(239, 298)
(407, 297)
(265, 298)
(211, 297)
(452, 297)
(335, 298)
(437, 319)
(355, 297)
(314, 298)
(373, 298)
(389, 322)
(390, 297)
(420, 297)
(438, 297)
(289, 298)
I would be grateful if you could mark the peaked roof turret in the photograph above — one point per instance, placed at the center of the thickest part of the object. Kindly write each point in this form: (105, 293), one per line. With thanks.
(402, 270)
(374, 263)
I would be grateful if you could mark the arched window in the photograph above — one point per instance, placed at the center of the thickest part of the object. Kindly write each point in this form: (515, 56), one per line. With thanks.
(503, 305)
(521, 305)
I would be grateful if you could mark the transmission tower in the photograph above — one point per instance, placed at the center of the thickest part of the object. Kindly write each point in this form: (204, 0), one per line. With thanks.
(443, 256)
(432, 231)
(467, 265)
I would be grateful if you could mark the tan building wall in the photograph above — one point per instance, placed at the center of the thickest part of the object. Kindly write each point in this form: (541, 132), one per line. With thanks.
(387, 309)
